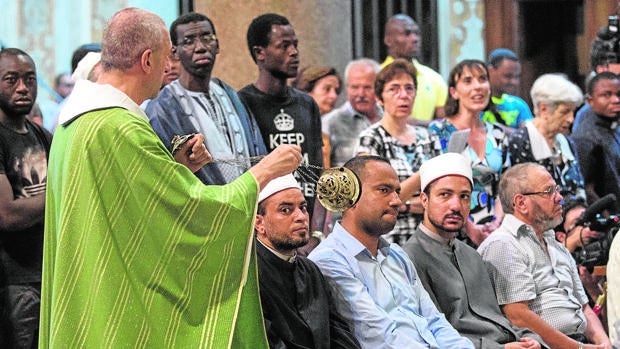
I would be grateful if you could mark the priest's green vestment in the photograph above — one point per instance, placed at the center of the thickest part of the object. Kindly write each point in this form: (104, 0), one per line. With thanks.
(138, 252)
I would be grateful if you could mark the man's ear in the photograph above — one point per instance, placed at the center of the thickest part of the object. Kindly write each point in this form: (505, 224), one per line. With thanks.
(146, 60)
(174, 52)
(387, 40)
(519, 204)
(259, 225)
(258, 52)
(424, 200)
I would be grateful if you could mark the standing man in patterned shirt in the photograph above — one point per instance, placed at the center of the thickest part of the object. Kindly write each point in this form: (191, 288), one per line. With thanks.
(198, 103)
(535, 277)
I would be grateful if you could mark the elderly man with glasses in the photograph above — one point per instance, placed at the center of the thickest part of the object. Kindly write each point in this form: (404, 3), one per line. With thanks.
(535, 277)
(199, 103)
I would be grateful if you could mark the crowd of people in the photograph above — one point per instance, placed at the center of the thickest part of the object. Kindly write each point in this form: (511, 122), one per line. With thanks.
(170, 210)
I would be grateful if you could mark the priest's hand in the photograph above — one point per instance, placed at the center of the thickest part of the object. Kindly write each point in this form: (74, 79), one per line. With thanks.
(193, 153)
(281, 161)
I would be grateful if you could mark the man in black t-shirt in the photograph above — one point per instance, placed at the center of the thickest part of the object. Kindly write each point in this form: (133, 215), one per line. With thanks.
(24, 149)
(284, 115)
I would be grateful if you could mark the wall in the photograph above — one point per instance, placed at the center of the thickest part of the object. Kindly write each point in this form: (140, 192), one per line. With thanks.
(461, 32)
(51, 30)
(323, 28)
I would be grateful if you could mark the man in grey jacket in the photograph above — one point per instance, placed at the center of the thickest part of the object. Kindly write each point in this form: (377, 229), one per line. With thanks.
(453, 273)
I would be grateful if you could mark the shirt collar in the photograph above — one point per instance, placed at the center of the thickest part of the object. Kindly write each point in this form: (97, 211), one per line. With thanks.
(357, 114)
(290, 259)
(352, 246)
(514, 225)
(607, 122)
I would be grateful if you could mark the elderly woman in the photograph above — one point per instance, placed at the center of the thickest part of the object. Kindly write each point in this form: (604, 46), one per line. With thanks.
(543, 140)
(323, 84)
(406, 146)
(484, 143)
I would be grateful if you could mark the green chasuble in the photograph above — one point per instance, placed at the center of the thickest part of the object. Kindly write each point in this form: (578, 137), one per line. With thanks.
(138, 252)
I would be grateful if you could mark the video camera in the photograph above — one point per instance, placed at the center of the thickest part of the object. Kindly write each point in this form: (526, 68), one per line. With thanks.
(597, 252)
(607, 46)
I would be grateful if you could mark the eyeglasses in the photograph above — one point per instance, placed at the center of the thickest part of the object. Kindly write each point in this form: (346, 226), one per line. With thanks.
(205, 39)
(549, 192)
(394, 90)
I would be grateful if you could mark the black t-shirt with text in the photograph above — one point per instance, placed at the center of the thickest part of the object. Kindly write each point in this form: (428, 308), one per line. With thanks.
(293, 118)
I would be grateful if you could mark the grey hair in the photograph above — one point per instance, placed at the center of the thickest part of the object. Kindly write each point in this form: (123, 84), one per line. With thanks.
(361, 61)
(553, 90)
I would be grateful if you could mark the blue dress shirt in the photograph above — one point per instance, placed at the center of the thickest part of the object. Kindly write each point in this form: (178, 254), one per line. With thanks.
(383, 296)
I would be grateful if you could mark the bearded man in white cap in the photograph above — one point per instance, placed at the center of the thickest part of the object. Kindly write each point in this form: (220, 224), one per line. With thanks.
(297, 302)
(452, 272)
(382, 294)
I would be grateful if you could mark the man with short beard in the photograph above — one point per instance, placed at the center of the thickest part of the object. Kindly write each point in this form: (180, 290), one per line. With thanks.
(378, 287)
(535, 277)
(297, 302)
(450, 270)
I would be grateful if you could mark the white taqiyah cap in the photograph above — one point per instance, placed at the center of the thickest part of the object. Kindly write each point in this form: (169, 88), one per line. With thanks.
(448, 164)
(276, 185)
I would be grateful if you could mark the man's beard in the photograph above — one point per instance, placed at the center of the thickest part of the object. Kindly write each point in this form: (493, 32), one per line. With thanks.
(551, 222)
(441, 227)
(547, 222)
(288, 244)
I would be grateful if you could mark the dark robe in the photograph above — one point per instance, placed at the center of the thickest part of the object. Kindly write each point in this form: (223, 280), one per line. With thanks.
(298, 306)
(457, 281)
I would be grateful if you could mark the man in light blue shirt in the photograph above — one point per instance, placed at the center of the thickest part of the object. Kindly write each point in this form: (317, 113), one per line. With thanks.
(378, 287)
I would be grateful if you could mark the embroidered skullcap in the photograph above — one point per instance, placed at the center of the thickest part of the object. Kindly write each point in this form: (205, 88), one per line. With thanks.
(448, 164)
(277, 185)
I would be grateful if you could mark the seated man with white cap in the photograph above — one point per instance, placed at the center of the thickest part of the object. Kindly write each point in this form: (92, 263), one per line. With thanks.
(296, 300)
(452, 272)
(381, 292)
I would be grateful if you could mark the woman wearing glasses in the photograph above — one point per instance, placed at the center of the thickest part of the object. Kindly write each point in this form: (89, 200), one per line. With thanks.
(406, 146)
(462, 131)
